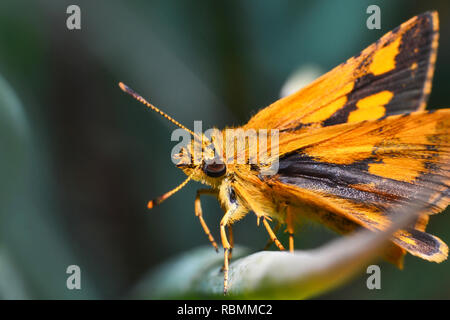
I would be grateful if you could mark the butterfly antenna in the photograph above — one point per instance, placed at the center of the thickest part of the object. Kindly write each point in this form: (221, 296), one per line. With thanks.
(152, 203)
(139, 98)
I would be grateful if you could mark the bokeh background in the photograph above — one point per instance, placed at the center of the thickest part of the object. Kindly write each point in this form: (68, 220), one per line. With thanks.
(79, 159)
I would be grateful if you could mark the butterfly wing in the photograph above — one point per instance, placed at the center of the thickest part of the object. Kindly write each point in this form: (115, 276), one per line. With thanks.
(361, 171)
(392, 76)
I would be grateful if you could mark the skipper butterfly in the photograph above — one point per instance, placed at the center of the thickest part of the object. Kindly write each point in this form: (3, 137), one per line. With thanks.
(353, 145)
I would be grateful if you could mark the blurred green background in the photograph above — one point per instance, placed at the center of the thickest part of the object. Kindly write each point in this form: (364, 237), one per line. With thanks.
(80, 159)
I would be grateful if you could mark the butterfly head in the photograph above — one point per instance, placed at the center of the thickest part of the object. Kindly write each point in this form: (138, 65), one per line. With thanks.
(200, 160)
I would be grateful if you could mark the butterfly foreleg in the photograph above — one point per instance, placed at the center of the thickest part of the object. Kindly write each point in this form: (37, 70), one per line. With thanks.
(199, 214)
(226, 246)
(231, 240)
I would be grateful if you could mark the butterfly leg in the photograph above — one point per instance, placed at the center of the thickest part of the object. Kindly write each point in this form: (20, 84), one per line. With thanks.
(275, 230)
(290, 228)
(226, 248)
(199, 214)
(231, 240)
(272, 235)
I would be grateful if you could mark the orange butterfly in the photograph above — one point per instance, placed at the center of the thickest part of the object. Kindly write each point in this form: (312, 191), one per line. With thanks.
(352, 145)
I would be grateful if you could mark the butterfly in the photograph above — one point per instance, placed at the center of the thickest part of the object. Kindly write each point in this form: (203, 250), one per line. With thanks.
(352, 146)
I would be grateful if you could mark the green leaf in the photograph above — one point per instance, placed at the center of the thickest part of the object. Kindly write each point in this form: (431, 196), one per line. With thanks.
(261, 275)
(274, 275)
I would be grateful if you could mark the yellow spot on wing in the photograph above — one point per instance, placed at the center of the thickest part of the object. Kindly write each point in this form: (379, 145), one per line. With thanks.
(384, 59)
(325, 112)
(406, 237)
(371, 107)
(402, 169)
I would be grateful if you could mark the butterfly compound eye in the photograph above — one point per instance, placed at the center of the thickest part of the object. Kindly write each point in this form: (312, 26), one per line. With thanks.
(215, 169)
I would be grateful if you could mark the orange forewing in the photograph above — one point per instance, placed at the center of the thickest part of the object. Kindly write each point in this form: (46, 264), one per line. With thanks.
(391, 76)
